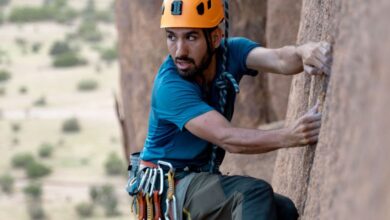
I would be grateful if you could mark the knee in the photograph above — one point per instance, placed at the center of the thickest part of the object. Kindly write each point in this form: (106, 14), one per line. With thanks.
(285, 208)
(260, 188)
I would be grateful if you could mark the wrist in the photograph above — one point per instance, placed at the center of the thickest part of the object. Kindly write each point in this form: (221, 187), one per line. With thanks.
(285, 138)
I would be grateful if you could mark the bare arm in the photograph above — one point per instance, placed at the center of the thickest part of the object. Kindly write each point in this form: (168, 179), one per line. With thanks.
(314, 58)
(214, 128)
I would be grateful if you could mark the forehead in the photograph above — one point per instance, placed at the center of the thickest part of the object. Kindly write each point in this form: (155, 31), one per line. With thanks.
(183, 31)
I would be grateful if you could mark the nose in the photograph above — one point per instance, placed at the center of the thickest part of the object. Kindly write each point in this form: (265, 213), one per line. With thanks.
(181, 48)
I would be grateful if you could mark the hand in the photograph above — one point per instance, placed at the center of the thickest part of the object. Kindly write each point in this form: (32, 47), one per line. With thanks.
(316, 57)
(305, 130)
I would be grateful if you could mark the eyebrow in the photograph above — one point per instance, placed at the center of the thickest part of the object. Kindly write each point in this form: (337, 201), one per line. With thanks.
(188, 33)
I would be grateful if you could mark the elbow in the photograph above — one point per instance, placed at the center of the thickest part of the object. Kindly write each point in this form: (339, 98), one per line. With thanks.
(226, 144)
(234, 149)
(225, 139)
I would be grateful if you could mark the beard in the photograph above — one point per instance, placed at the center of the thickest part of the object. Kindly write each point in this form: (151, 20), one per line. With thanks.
(196, 70)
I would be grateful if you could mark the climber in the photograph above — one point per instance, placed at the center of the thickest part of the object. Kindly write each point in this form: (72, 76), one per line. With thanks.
(192, 103)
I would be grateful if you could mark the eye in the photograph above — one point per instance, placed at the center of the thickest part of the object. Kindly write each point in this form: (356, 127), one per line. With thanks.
(192, 37)
(171, 37)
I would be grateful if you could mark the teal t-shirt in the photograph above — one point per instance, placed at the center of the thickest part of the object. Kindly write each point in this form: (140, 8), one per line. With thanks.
(175, 101)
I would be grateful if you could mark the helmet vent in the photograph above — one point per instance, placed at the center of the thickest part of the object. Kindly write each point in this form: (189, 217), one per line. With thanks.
(176, 8)
(208, 4)
(200, 8)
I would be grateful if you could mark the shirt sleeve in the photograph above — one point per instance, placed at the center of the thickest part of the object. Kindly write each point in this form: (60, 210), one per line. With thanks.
(239, 49)
(178, 101)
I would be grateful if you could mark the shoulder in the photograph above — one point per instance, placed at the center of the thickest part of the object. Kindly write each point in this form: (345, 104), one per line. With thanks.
(238, 51)
(241, 43)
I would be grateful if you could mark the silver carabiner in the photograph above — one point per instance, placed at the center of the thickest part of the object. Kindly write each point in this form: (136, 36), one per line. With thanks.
(160, 170)
(147, 183)
(143, 179)
(160, 162)
(168, 203)
(153, 181)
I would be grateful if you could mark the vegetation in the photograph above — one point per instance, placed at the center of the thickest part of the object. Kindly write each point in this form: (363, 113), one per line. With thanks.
(87, 85)
(71, 125)
(55, 10)
(88, 31)
(33, 190)
(64, 55)
(85, 209)
(94, 194)
(109, 54)
(23, 90)
(69, 59)
(35, 211)
(105, 197)
(91, 13)
(114, 165)
(7, 183)
(3, 91)
(22, 160)
(15, 141)
(1, 17)
(4, 2)
(36, 47)
(40, 101)
(26, 14)
(60, 47)
(37, 170)
(4, 57)
(34, 193)
(45, 150)
(15, 127)
(22, 44)
(4, 75)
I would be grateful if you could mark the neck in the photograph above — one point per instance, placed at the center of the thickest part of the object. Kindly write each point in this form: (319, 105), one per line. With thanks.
(209, 73)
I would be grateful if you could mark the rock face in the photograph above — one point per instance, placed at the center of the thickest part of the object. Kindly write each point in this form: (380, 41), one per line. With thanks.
(252, 106)
(346, 175)
(141, 50)
(282, 29)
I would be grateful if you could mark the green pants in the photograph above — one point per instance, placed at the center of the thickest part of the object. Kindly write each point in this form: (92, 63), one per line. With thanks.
(211, 196)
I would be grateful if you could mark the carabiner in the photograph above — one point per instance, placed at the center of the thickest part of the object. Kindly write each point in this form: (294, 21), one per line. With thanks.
(144, 174)
(147, 183)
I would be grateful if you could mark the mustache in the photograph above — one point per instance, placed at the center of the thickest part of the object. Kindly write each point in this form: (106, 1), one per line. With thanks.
(185, 59)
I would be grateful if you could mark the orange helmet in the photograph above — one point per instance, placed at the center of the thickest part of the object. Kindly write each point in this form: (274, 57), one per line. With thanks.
(191, 13)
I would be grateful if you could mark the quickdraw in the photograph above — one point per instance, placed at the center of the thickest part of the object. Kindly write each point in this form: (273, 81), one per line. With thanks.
(171, 199)
(148, 186)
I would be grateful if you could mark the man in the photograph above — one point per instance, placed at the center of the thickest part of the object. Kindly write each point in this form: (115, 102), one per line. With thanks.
(191, 106)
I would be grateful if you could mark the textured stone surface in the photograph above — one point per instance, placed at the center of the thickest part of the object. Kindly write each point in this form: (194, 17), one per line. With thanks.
(283, 18)
(346, 175)
(141, 51)
(248, 19)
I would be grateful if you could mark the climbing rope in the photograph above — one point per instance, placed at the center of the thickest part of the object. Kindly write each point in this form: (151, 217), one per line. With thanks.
(222, 84)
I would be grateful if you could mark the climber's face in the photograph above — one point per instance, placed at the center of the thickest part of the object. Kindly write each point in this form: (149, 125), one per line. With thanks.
(188, 49)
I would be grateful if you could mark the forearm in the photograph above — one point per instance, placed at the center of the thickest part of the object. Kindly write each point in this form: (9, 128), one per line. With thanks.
(253, 141)
(285, 60)
(214, 128)
(290, 60)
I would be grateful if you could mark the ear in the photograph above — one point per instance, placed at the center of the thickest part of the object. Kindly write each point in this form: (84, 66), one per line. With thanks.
(216, 37)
